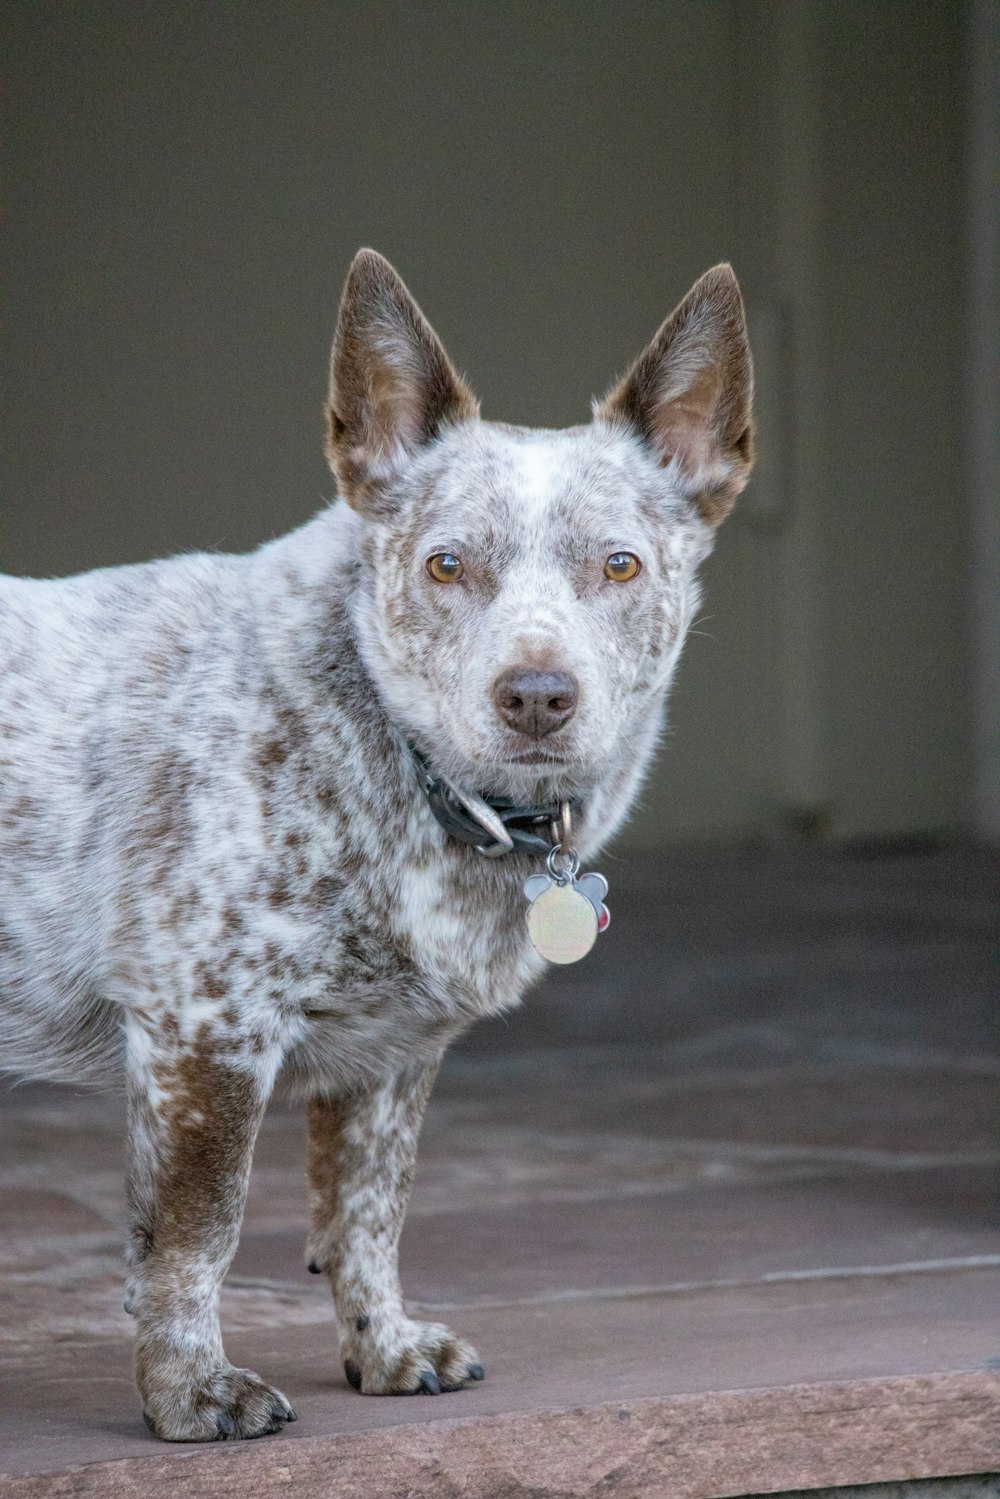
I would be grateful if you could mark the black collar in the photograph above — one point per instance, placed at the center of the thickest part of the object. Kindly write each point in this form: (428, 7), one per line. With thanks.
(494, 827)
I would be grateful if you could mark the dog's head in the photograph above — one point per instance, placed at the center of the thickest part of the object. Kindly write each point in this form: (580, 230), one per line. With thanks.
(527, 592)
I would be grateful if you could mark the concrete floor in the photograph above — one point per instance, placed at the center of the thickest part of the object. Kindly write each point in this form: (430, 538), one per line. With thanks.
(715, 1207)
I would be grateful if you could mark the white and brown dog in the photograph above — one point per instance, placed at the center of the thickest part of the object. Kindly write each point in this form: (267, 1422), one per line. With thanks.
(232, 846)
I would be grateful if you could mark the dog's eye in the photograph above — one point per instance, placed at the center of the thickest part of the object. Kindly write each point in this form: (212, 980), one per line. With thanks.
(445, 567)
(621, 567)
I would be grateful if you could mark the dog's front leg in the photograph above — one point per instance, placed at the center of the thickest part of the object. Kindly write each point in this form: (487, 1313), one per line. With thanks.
(193, 1118)
(362, 1150)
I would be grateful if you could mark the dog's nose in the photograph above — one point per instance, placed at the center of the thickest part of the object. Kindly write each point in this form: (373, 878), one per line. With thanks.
(535, 702)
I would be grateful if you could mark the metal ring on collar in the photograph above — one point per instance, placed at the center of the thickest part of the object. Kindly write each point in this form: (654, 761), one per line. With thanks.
(563, 864)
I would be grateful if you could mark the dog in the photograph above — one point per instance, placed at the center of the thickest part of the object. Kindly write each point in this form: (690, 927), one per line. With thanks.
(266, 820)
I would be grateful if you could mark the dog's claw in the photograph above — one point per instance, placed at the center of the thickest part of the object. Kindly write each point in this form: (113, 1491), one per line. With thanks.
(314, 1268)
(353, 1373)
(283, 1413)
(225, 1426)
(476, 1371)
(429, 1383)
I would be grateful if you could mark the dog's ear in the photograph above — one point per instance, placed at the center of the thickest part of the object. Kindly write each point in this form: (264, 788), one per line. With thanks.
(689, 394)
(392, 386)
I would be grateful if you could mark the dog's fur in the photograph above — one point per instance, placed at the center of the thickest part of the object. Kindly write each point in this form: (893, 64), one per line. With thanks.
(216, 865)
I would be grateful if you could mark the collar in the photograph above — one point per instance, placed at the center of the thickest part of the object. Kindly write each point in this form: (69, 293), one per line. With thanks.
(495, 827)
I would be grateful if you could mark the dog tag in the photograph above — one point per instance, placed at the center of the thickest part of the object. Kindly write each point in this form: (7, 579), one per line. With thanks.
(566, 909)
(562, 923)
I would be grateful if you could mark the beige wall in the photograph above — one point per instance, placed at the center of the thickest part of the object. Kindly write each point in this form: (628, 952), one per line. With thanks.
(188, 183)
(848, 568)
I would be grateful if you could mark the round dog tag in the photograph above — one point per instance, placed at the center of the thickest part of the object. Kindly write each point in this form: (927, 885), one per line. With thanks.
(562, 924)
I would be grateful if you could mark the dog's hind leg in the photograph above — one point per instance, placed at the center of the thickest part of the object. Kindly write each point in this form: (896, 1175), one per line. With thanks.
(362, 1150)
(193, 1119)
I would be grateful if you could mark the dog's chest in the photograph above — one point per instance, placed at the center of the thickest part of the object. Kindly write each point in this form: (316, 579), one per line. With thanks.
(438, 919)
(389, 938)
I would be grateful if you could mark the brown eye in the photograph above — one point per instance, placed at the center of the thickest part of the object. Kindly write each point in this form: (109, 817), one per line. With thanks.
(445, 567)
(621, 567)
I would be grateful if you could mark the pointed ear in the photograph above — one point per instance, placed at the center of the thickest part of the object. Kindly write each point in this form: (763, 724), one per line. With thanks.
(689, 395)
(392, 386)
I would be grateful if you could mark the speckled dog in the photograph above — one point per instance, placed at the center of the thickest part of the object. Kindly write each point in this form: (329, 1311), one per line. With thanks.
(218, 864)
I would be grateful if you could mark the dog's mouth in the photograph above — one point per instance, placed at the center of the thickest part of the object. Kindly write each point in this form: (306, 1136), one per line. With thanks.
(522, 749)
(535, 757)
(535, 773)
(517, 767)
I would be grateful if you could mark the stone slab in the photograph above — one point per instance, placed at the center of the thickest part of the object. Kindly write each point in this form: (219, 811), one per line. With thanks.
(581, 1353)
(694, 1448)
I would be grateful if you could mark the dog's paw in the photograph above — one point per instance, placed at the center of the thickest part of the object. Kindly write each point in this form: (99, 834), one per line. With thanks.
(407, 1358)
(225, 1405)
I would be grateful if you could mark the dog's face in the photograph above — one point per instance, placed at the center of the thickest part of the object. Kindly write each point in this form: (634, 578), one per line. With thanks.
(530, 596)
(528, 592)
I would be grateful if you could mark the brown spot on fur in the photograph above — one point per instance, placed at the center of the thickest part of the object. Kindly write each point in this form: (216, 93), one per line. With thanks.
(210, 984)
(326, 891)
(232, 921)
(271, 753)
(208, 1124)
(166, 822)
(20, 809)
(184, 906)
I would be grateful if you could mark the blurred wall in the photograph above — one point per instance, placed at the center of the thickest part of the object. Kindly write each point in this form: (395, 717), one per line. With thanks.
(187, 183)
